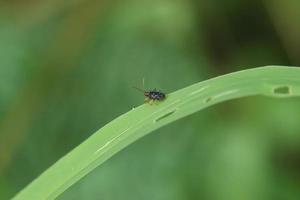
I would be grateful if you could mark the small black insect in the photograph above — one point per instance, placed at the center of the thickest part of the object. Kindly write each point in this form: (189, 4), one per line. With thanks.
(155, 95)
(152, 95)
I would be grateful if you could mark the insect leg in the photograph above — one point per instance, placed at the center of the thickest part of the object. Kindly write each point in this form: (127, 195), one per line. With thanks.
(151, 101)
(146, 100)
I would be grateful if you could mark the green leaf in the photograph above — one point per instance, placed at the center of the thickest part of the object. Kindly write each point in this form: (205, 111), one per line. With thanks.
(273, 81)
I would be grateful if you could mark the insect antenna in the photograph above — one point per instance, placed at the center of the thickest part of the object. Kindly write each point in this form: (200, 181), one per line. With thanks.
(138, 89)
(143, 83)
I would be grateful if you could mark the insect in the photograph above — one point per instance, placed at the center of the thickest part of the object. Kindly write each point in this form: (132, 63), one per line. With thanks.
(152, 95)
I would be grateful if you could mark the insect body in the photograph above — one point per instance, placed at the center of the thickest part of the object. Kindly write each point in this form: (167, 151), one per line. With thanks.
(155, 95)
(152, 95)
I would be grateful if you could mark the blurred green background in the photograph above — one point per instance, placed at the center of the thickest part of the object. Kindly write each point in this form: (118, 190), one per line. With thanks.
(67, 67)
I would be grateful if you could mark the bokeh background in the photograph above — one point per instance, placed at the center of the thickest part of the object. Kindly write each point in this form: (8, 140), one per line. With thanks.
(67, 67)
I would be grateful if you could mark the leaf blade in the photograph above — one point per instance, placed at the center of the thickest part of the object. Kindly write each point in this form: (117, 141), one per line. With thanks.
(274, 81)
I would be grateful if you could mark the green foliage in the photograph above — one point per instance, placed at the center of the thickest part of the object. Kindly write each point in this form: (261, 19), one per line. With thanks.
(67, 67)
